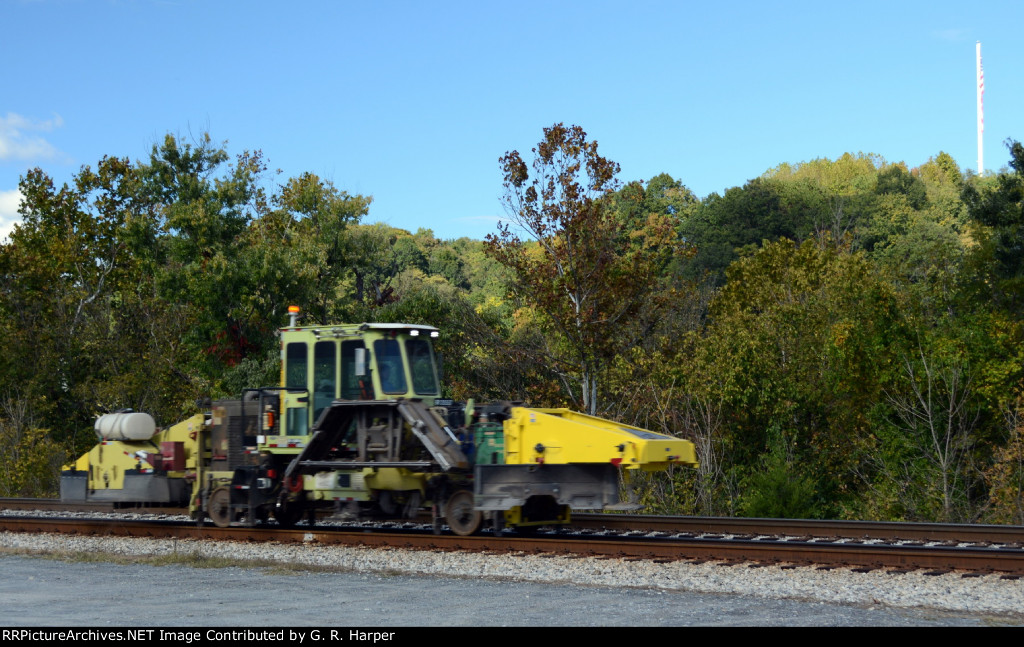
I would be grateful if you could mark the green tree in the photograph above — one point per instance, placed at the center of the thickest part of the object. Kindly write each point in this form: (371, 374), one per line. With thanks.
(780, 488)
(1005, 476)
(944, 183)
(84, 329)
(744, 217)
(794, 358)
(375, 263)
(999, 209)
(315, 225)
(936, 412)
(203, 206)
(62, 266)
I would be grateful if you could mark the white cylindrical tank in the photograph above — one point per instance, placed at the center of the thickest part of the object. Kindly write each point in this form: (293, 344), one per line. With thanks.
(126, 426)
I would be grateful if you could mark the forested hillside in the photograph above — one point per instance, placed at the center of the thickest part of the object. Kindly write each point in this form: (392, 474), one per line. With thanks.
(840, 338)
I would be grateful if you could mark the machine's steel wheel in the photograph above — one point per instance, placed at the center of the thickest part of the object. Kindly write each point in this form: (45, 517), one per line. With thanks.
(287, 513)
(219, 507)
(459, 512)
(497, 522)
(412, 505)
(386, 502)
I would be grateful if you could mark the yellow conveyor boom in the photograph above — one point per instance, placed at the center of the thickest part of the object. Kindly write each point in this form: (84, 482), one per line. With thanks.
(562, 436)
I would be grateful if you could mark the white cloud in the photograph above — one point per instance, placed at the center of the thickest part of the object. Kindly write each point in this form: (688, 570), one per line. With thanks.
(9, 202)
(18, 140)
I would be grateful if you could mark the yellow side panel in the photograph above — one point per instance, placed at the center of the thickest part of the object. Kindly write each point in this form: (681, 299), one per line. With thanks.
(561, 436)
(81, 465)
(108, 462)
(397, 479)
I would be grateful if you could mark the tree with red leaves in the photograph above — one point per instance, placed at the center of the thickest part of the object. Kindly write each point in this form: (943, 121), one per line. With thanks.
(590, 271)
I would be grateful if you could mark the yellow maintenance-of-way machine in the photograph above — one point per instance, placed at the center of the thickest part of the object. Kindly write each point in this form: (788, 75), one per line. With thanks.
(357, 425)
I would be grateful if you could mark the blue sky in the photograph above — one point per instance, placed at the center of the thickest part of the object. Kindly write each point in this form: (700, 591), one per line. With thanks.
(414, 102)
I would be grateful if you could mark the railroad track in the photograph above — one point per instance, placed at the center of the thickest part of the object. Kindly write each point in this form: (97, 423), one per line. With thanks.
(859, 545)
(811, 528)
(817, 528)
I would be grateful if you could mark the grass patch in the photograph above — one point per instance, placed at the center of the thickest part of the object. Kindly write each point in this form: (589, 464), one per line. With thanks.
(189, 559)
(192, 559)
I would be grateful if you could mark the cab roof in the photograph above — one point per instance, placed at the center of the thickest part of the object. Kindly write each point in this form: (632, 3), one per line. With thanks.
(353, 329)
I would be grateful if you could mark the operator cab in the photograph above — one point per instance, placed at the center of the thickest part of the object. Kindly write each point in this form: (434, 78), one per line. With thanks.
(321, 364)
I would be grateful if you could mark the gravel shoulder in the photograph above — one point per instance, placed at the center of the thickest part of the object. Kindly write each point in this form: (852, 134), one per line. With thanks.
(100, 581)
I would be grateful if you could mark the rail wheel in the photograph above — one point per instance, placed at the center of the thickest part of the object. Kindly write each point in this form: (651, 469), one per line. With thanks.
(219, 507)
(287, 513)
(459, 512)
(497, 522)
(386, 503)
(412, 505)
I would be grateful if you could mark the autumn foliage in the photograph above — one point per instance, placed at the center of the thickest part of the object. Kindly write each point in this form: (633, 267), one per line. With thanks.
(839, 338)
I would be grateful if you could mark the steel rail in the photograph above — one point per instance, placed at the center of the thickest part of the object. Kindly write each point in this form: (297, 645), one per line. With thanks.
(807, 527)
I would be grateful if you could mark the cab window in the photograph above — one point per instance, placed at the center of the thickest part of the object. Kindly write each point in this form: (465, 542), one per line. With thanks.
(324, 381)
(353, 386)
(389, 366)
(421, 366)
(296, 363)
